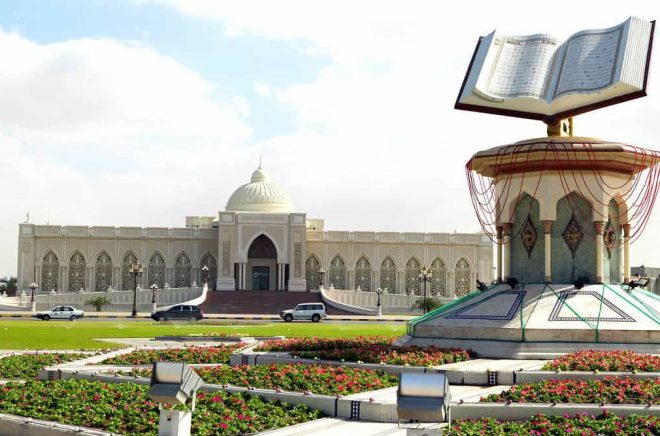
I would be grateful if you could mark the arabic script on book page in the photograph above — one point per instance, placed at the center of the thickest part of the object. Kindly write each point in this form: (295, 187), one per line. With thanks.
(522, 67)
(589, 62)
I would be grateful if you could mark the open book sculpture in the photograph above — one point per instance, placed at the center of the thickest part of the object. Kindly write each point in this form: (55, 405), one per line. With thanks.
(543, 78)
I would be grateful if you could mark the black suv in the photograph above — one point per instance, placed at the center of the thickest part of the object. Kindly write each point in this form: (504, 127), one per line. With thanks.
(183, 312)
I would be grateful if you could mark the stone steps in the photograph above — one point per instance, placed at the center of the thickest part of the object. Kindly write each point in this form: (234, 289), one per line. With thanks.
(261, 302)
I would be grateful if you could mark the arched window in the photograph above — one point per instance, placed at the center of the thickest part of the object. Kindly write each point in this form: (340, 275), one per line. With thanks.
(103, 272)
(388, 275)
(126, 278)
(413, 270)
(338, 273)
(209, 261)
(462, 277)
(76, 272)
(50, 272)
(363, 274)
(156, 271)
(439, 278)
(312, 274)
(182, 271)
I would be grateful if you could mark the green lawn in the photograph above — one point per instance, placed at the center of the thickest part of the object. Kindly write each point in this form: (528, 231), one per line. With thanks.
(18, 335)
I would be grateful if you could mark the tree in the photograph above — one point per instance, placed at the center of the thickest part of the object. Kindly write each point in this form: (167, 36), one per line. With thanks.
(11, 285)
(431, 304)
(99, 302)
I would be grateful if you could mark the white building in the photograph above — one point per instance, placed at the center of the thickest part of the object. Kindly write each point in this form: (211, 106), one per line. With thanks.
(257, 243)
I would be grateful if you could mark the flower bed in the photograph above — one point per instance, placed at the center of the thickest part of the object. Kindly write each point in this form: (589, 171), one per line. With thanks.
(611, 390)
(125, 408)
(217, 354)
(620, 360)
(582, 425)
(374, 349)
(317, 379)
(29, 365)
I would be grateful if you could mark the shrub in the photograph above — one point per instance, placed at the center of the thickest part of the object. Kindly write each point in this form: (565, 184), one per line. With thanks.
(29, 365)
(580, 425)
(428, 303)
(618, 360)
(125, 408)
(318, 379)
(611, 390)
(216, 354)
(98, 302)
(374, 349)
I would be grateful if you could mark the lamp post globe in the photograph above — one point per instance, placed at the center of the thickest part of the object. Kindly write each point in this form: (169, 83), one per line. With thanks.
(135, 270)
(33, 286)
(205, 275)
(153, 288)
(321, 274)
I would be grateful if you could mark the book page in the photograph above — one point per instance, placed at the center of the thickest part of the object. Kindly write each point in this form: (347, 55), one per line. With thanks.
(588, 61)
(522, 67)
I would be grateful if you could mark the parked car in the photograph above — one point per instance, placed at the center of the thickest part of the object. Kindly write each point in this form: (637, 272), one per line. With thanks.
(179, 312)
(60, 312)
(313, 311)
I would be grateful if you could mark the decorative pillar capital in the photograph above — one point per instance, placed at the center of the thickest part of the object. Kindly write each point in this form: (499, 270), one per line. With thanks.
(626, 230)
(506, 229)
(599, 227)
(547, 226)
(499, 232)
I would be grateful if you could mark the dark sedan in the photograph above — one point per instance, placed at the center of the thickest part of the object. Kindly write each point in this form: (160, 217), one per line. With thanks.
(179, 312)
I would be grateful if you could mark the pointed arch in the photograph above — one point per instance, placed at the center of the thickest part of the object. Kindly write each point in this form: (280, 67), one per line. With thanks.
(209, 261)
(50, 271)
(103, 272)
(156, 270)
(388, 275)
(463, 277)
(439, 277)
(182, 271)
(337, 272)
(313, 272)
(77, 269)
(413, 269)
(127, 281)
(363, 274)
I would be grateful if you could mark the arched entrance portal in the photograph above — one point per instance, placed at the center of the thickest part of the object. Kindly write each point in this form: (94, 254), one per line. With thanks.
(262, 265)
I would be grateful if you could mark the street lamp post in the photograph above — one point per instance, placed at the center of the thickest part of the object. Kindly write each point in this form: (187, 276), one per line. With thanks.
(205, 275)
(379, 306)
(425, 276)
(153, 288)
(33, 303)
(321, 273)
(135, 270)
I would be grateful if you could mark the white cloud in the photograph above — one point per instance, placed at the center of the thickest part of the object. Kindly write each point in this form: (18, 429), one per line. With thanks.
(79, 90)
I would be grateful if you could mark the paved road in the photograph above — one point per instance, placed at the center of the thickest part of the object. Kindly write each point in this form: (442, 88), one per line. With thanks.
(144, 317)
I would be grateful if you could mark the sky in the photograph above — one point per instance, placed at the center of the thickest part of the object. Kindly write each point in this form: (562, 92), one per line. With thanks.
(141, 112)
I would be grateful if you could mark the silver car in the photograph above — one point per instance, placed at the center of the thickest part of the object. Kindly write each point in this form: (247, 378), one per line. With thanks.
(309, 311)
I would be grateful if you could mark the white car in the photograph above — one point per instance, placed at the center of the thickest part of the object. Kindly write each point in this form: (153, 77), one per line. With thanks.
(313, 311)
(60, 312)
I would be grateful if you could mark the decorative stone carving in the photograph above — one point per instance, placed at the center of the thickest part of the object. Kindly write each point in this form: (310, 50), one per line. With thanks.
(573, 235)
(528, 236)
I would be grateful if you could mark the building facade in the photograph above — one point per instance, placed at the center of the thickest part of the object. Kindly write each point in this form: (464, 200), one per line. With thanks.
(258, 242)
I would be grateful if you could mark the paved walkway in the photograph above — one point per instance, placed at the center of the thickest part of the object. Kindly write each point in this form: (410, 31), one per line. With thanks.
(336, 426)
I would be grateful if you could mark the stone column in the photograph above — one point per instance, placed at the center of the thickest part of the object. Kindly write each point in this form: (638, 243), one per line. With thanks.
(280, 276)
(499, 254)
(506, 251)
(451, 285)
(547, 234)
(599, 226)
(626, 253)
